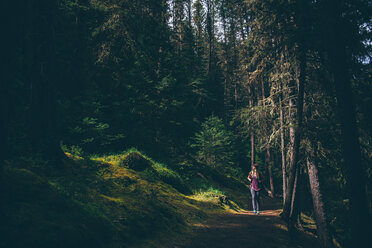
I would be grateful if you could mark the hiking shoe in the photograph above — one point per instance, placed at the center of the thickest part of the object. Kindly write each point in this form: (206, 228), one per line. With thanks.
(258, 212)
(254, 211)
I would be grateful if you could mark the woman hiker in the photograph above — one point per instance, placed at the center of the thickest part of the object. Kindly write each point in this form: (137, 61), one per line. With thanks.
(256, 178)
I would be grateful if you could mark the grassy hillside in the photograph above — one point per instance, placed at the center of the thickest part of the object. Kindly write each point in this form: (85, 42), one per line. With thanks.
(124, 200)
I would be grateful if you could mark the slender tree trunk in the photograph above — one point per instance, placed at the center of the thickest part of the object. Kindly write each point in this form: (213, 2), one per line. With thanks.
(236, 95)
(282, 144)
(268, 153)
(294, 212)
(209, 27)
(252, 148)
(253, 154)
(319, 210)
(189, 12)
(269, 167)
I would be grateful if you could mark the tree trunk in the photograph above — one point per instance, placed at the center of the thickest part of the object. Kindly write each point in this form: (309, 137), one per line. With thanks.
(296, 136)
(8, 53)
(355, 173)
(43, 123)
(282, 144)
(354, 170)
(269, 164)
(252, 130)
(320, 214)
(294, 213)
(268, 153)
(210, 32)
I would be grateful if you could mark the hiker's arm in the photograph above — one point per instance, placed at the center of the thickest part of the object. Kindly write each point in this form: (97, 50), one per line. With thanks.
(249, 177)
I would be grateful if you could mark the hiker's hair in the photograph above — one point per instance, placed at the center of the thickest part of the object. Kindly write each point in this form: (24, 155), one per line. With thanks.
(254, 172)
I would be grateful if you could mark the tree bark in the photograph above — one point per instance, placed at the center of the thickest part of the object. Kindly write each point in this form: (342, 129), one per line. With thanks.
(318, 203)
(354, 170)
(294, 212)
(268, 153)
(252, 130)
(282, 144)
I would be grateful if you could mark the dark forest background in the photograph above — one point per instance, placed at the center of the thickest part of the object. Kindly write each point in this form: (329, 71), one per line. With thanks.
(224, 83)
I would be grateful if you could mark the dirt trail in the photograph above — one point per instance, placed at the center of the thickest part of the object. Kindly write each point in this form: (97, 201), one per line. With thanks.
(245, 230)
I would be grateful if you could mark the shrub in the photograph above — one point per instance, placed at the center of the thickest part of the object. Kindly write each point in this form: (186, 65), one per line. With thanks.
(214, 144)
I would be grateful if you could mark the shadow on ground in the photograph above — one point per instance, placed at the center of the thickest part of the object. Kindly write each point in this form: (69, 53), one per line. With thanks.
(245, 230)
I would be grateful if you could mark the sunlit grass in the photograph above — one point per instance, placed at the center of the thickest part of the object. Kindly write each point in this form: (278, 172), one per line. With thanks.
(73, 156)
(209, 195)
(308, 222)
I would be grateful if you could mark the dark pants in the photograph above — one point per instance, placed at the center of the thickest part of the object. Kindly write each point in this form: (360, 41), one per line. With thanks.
(255, 199)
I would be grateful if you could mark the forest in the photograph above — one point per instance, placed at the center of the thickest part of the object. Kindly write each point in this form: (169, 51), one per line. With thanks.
(125, 122)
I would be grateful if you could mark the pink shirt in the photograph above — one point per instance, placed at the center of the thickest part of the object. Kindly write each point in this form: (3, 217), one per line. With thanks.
(255, 186)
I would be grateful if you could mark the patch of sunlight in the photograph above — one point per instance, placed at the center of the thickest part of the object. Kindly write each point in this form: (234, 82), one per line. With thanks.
(200, 225)
(73, 157)
(308, 221)
(112, 199)
(123, 173)
(281, 226)
(203, 198)
(209, 195)
(111, 159)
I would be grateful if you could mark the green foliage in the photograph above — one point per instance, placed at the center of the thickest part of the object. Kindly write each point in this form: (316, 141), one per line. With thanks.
(214, 144)
(73, 149)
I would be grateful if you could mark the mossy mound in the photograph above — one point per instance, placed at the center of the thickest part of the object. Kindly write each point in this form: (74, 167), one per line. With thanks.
(171, 177)
(34, 213)
(135, 161)
(94, 203)
(123, 200)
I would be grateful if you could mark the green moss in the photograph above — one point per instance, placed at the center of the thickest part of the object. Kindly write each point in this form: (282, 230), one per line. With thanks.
(36, 214)
(170, 177)
(121, 200)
